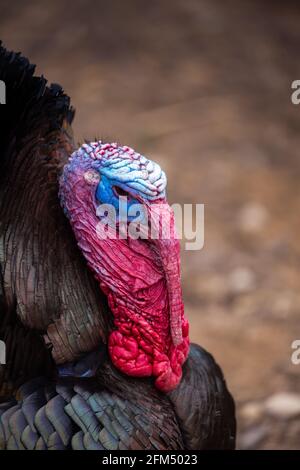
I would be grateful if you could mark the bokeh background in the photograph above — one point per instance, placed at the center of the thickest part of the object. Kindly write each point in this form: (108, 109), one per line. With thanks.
(203, 87)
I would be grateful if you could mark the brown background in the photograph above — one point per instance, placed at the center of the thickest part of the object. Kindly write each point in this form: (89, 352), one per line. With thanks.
(203, 87)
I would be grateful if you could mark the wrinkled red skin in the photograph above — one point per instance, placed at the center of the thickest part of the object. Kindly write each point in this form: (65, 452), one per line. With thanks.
(141, 280)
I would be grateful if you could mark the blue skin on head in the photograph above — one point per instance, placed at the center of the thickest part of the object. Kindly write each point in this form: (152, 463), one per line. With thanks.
(109, 192)
(126, 183)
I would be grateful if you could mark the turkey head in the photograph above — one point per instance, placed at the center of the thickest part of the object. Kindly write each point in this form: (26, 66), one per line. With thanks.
(116, 204)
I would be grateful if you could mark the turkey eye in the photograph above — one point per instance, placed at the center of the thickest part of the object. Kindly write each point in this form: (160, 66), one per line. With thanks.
(120, 192)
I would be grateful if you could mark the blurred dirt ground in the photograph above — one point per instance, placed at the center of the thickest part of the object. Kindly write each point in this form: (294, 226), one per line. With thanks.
(204, 88)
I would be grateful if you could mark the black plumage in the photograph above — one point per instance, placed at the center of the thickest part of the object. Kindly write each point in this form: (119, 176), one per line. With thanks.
(115, 412)
(51, 308)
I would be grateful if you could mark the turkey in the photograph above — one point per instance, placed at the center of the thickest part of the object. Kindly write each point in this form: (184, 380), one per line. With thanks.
(97, 345)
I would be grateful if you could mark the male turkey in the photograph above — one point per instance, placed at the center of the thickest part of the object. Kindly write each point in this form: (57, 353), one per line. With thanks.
(98, 355)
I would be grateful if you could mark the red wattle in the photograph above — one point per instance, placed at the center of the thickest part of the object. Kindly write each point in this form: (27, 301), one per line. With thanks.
(128, 353)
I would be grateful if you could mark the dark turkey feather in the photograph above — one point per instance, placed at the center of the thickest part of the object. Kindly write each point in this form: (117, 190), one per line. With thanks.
(86, 414)
(45, 285)
(112, 411)
(202, 402)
